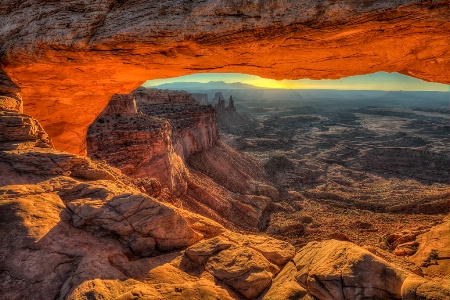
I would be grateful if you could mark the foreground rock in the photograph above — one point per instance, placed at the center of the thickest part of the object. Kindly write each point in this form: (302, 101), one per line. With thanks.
(433, 252)
(341, 270)
(71, 228)
(21, 130)
(69, 48)
(138, 144)
(247, 265)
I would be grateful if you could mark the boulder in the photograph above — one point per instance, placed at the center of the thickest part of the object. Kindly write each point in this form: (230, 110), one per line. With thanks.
(415, 288)
(247, 263)
(341, 270)
(436, 240)
(136, 219)
(284, 286)
(202, 251)
(244, 269)
(275, 251)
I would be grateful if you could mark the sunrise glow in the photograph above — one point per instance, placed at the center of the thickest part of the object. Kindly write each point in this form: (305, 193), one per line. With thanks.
(375, 81)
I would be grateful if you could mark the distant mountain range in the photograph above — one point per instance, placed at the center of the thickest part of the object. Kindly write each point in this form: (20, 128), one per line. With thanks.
(212, 85)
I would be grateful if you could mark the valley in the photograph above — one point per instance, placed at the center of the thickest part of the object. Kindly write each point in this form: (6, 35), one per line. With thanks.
(361, 165)
(180, 200)
(300, 169)
(241, 150)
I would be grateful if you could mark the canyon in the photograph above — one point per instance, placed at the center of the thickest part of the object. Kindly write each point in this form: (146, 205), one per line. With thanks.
(67, 56)
(169, 137)
(108, 235)
(112, 191)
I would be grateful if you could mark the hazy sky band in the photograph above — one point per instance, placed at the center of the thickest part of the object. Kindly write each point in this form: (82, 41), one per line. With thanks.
(376, 81)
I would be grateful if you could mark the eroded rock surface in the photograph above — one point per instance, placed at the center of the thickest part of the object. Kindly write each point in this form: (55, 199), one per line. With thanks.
(193, 125)
(341, 270)
(71, 228)
(21, 130)
(246, 264)
(169, 136)
(433, 252)
(138, 144)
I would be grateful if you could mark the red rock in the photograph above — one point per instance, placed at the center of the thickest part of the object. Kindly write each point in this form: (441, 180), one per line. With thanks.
(157, 132)
(340, 237)
(62, 56)
(20, 130)
(138, 144)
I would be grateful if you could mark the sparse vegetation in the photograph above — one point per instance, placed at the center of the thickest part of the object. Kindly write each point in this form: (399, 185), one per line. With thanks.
(384, 244)
(432, 258)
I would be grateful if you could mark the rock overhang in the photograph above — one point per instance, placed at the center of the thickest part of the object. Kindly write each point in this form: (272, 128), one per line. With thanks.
(70, 58)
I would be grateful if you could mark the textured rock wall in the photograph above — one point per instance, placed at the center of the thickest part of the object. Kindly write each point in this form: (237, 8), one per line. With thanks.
(10, 98)
(70, 57)
(121, 105)
(167, 129)
(194, 126)
(18, 130)
(71, 228)
(138, 144)
(334, 269)
(149, 133)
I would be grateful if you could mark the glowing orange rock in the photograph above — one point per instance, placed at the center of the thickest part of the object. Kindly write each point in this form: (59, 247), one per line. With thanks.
(70, 59)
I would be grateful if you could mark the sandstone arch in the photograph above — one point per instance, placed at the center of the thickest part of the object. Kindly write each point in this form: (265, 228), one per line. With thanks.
(69, 57)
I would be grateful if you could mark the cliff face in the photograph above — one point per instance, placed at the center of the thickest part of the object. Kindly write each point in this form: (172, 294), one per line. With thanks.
(138, 144)
(71, 228)
(64, 54)
(194, 126)
(153, 133)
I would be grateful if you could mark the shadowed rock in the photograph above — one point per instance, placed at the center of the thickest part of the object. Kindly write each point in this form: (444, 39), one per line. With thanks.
(71, 228)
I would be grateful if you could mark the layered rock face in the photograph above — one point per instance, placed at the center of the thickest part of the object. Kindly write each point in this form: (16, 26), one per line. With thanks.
(19, 130)
(71, 228)
(138, 144)
(158, 132)
(194, 126)
(149, 133)
(10, 98)
(58, 51)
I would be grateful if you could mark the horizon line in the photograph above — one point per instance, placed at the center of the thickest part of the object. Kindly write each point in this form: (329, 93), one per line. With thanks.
(292, 89)
(378, 81)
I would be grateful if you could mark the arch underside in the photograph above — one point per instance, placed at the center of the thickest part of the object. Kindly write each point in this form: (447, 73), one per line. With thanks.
(69, 59)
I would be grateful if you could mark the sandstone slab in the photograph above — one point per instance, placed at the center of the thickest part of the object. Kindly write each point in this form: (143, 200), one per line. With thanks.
(244, 269)
(341, 270)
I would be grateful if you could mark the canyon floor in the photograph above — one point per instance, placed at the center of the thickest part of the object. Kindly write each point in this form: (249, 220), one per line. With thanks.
(356, 166)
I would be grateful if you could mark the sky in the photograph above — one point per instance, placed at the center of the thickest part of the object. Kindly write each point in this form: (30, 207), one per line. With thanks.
(376, 81)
